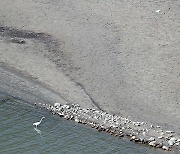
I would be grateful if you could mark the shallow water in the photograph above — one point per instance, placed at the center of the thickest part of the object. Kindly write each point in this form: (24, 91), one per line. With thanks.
(55, 135)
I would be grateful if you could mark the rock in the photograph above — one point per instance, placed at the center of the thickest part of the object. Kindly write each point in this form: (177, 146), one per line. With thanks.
(145, 141)
(129, 135)
(116, 125)
(152, 126)
(132, 138)
(170, 132)
(177, 144)
(15, 40)
(171, 142)
(121, 135)
(116, 135)
(159, 145)
(151, 139)
(56, 104)
(100, 130)
(66, 106)
(76, 120)
(137, 124)
(137, 140)
(173, 139)
(82, 121)
(60, 114)
(165, 147)
(152, 143)
(53, 113)
(141, 139)
(158, 126)
(67, 117)
(71, 117)
(171, 135)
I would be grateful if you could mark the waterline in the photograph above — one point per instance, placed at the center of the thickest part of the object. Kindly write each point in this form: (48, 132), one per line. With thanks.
(55, 135)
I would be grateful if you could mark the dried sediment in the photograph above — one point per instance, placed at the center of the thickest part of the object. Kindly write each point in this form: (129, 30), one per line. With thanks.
(139, 132)
(125, 55)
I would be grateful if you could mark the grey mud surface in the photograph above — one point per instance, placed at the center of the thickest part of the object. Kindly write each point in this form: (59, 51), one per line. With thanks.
(119, 56)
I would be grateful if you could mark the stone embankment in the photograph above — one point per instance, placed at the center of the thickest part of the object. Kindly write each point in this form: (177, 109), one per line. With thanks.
(140, 132)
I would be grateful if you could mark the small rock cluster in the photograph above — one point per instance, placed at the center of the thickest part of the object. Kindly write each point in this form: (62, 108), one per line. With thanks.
(118, 126)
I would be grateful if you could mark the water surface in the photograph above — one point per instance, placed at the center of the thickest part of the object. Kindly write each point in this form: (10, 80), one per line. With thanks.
(55, 135)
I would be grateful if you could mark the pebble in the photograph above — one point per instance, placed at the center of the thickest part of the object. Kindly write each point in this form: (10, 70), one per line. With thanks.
(152, 126)
(56, 104)
(133, 137)
(165, 147)
(171, 143)
(151, 139)
(142, 140)
(152, 143)
(115, 125)
(159, 145)
(162, 133)
(137, 124)
(142, 123)
(170, 132)
(173, 139)
(160, 137)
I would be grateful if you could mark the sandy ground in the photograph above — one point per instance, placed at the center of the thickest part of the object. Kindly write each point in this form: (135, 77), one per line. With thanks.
(120, 56)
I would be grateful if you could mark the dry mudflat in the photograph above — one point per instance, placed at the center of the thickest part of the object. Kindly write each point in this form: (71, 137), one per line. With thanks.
(120, 56)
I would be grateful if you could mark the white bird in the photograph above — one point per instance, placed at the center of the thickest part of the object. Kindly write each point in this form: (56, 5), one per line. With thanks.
(38, 123)
(158, 11)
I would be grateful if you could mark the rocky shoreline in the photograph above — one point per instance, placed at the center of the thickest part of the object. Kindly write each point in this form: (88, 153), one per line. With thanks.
(139, 132)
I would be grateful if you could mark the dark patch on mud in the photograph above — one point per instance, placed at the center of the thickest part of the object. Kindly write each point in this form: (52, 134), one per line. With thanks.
(52, 45)
(92, 100)
(18, 41)
(53, 49)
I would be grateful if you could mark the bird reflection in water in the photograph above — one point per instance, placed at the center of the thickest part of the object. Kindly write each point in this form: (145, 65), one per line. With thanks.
(37, 130)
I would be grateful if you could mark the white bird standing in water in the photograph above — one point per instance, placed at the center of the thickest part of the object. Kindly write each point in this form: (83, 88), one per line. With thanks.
(38, 123)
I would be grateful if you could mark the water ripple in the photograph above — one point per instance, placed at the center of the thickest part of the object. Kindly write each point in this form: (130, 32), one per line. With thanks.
(55, 135)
